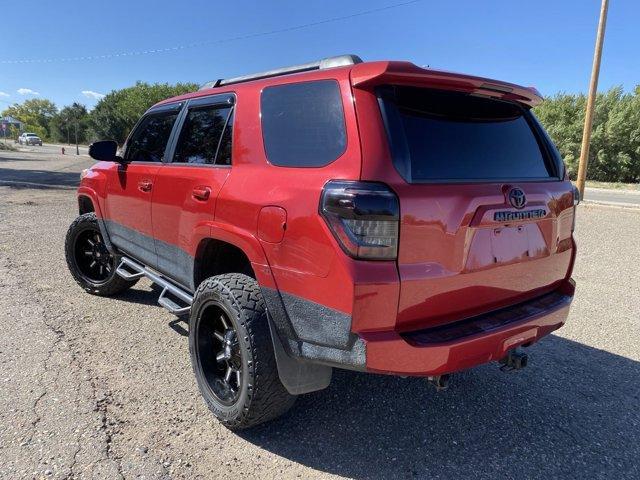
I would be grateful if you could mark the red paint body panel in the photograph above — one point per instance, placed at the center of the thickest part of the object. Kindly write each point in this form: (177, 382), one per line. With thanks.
(307, 261)
(177, 212)
(126, 202)
(451, 262)
(454, 260)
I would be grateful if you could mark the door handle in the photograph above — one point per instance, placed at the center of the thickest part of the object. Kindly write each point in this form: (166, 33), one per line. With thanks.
(201, 193)
(145, 185)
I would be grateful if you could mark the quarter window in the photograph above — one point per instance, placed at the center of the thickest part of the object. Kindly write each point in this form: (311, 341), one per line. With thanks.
(206, 136)
(303, 124)
(149, 140)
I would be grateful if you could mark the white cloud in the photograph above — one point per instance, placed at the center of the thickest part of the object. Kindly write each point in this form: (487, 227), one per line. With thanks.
(92, 94)
(3, 94)
(27, 91)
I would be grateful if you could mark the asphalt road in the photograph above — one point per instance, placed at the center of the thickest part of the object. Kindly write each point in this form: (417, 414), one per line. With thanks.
(612, 197)
(35, 168)
(52, 149)
(96, 387)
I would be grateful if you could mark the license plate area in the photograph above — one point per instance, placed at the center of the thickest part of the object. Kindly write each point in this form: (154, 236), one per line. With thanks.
(517, 243)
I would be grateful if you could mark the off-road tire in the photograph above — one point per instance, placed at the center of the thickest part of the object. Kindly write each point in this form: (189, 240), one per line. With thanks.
(113, 284)
(262, 396)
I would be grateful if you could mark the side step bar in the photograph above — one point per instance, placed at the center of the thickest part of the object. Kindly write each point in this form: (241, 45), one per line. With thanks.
(131, 270)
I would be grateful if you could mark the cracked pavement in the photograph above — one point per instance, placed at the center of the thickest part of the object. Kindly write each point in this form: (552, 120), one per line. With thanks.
(96, 387)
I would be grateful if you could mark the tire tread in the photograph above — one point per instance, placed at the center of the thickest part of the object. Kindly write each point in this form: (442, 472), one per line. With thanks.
(268, 398)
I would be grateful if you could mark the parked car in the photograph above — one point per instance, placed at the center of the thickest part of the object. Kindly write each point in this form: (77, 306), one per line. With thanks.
(372, 216)
(29, 139)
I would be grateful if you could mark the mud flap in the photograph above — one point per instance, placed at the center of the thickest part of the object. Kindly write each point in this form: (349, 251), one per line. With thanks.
(298, 376)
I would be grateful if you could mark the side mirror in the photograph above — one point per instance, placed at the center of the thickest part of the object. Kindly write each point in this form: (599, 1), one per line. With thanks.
(105, 150)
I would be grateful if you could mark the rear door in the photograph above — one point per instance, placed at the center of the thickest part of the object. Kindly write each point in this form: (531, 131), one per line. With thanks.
(486, 215)
(186, 188)
(130, 187)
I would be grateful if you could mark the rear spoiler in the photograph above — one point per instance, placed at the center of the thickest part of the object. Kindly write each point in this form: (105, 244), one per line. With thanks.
(406, 73)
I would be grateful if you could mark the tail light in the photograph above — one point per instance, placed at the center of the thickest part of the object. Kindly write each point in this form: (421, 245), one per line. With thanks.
(364, 218)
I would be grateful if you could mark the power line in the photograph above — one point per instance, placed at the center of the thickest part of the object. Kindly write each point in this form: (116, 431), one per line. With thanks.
(208, 42)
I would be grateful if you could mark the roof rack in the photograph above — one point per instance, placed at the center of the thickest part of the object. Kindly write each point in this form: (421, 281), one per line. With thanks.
(329, 62)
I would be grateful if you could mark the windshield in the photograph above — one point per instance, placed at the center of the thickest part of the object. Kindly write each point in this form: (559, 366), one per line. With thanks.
(445, 136)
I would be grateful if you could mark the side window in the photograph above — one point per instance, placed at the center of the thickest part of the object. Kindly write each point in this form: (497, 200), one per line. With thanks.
(148, 141)
(303, 124)
(205, 135)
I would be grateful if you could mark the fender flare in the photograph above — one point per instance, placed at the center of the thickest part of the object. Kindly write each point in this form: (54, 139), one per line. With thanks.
(297, 375)
(91, 194)
(249, 244)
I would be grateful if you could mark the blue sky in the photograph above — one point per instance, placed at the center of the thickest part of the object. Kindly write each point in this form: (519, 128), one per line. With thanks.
(548, 44)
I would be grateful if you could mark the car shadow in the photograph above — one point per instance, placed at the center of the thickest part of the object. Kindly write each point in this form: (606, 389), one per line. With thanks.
(6, 158)
(149, 296)
(572, 413)
(144, 296)
(38, 178)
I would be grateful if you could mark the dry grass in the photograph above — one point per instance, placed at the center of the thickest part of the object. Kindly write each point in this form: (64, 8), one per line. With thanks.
(614, 185)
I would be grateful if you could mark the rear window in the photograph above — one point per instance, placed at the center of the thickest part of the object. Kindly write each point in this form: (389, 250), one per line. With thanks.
(303, 124)
(444, 136)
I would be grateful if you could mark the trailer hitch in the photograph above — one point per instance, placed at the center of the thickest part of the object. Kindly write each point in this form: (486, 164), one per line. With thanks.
(440, 382)
(514, 360)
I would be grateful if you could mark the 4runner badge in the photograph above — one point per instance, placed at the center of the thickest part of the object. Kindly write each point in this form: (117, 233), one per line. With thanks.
(506, 216)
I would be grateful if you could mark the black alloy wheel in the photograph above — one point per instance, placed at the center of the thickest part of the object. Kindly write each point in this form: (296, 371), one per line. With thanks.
(219, 356)
(91, 263)
(92, 256)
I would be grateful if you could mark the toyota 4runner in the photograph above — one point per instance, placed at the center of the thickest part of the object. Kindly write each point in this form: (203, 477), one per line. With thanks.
(372, 216)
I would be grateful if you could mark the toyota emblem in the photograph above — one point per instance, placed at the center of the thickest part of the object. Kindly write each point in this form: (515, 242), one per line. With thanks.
(517, 198)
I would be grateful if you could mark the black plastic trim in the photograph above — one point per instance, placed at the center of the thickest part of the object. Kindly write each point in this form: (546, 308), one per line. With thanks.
(487, 322)
(308, 338)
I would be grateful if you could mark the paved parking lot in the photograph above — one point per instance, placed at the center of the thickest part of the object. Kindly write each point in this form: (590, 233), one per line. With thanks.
(102, 388)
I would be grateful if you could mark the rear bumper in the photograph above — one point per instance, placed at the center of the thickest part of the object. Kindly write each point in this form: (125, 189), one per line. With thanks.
(468, 343)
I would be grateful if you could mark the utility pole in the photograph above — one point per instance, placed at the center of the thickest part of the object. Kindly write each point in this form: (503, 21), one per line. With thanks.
(593, 87)
(77, 149)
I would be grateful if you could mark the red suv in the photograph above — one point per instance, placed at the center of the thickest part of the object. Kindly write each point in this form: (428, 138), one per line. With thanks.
(371, 216)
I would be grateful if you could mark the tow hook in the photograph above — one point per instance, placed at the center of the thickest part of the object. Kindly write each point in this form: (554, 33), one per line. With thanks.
(440, 382)
(515, 360)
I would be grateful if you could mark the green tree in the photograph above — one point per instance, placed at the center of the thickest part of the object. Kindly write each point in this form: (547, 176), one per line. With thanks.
(63, 124)
(116, 114)
(614, 153)
(36, 114)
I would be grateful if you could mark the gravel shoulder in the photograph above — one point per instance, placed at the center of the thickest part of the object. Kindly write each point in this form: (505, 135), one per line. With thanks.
(93, 387)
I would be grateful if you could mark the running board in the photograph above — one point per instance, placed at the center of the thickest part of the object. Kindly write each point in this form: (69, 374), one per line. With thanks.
(131, 270)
